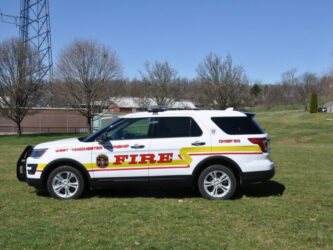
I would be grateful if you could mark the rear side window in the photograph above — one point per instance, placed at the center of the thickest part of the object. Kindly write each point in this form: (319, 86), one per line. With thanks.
(238, 125)
(168, 127)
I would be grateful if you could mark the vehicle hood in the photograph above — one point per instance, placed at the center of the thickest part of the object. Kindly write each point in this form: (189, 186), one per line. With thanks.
(59, 143)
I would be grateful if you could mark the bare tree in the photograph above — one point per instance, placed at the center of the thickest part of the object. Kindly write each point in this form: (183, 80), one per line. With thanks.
(307, 84)
(289, 83)
(326, 86)
(225, 84)
(19, 80)
(86, 67)
(289, 77)
(139, 91)
(274, 95)
(161, 79)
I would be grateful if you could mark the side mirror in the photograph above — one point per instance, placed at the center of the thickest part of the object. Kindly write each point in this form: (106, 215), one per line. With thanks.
(102, 139)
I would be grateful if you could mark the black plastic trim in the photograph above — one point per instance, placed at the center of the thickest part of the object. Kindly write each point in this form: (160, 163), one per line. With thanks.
(258, 176)
(183, 179)
(175, 178)
(218, 158)
(68, 161)
(120, 179)
(37, 183)
(32, 169)
(21, 163)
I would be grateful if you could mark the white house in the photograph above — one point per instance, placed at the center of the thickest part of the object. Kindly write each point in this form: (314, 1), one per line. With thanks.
(132, 104)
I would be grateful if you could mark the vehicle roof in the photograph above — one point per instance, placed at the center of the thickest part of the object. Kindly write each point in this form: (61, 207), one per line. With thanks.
(208, 113)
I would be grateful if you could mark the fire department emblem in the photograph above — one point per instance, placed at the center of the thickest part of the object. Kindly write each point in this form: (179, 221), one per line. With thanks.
(102, 161)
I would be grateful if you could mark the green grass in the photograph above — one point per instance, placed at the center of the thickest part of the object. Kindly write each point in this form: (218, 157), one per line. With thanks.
(276, 108)
(294, 210)
(293, 127)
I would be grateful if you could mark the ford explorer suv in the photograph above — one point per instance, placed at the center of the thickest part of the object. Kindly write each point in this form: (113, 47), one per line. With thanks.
(214, 150)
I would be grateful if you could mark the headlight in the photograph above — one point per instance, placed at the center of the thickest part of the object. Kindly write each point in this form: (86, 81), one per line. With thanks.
(37, 153)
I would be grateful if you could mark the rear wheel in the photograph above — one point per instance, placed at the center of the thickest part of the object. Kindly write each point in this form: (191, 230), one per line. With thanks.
(217, 182)
(65, 183)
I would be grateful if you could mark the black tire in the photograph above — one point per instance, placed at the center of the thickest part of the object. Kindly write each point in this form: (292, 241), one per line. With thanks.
(223, 186)
(65, 183)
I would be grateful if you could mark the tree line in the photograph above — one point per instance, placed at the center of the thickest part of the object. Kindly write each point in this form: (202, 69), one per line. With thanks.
(88, 73)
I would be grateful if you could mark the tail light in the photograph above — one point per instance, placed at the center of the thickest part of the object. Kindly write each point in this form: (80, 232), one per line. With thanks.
(262, 142)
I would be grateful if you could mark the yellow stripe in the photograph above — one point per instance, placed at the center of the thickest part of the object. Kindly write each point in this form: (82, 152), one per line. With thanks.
(41, 166)
(255, 148)
(184, 152)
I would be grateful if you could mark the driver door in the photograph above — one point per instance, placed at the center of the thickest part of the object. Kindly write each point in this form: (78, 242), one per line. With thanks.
(126, 151)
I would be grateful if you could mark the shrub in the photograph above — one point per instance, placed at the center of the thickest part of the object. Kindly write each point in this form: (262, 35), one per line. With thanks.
(314, 103)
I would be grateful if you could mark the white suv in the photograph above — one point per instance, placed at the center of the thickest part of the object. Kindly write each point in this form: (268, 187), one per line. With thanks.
(211, 149)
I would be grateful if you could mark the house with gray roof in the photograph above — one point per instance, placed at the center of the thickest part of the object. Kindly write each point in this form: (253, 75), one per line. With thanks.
(134, 104)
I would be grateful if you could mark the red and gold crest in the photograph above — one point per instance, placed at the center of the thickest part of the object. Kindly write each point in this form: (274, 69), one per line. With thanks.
(102, 161)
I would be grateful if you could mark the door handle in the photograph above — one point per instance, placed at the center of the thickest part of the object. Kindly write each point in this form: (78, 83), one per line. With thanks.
(198, 143)
(137, 146)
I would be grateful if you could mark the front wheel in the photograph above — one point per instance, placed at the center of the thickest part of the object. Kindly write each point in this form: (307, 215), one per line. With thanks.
(65, 183)
(217, 182)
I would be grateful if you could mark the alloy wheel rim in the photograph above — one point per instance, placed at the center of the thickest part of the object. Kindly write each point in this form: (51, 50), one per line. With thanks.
(65, 184)
(217, 183)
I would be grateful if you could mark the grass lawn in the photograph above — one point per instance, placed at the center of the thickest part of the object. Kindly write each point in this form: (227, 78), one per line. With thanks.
(293, 210)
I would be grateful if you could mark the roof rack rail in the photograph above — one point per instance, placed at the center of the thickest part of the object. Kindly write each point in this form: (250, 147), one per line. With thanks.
(158, 108)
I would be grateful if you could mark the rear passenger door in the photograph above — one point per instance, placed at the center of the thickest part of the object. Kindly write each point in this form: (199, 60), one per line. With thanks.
(175, 141)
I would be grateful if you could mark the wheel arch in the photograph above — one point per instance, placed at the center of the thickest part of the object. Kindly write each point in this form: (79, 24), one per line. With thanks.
(65, 161)
(231, 164)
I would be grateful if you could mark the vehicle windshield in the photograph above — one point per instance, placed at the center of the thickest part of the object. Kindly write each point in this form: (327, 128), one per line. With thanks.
(99, 132)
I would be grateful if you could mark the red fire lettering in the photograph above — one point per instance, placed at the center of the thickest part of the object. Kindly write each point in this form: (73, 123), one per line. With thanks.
(120, 159)
(133, 158)
(147, 157)
(165, 157)
(61, 150)
(225, 141)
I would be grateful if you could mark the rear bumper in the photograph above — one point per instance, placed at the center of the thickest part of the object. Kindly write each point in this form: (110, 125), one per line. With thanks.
(258, 176)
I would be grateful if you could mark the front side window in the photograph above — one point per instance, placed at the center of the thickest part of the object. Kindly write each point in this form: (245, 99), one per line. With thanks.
(100, 132)
(137, 128)
(169, 127)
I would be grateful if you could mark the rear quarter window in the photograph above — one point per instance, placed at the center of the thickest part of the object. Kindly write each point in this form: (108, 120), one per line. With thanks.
(238, 125)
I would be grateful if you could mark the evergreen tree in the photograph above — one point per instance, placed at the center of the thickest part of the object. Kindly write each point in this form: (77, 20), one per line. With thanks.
(255, 90)
(314, 103)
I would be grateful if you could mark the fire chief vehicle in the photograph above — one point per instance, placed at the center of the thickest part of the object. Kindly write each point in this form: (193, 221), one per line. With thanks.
(214, 150)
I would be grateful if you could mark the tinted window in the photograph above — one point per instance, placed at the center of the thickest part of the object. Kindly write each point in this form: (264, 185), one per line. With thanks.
(167, 127)
(195, 129)
(130, 129)
(100, 132)
(238, 125)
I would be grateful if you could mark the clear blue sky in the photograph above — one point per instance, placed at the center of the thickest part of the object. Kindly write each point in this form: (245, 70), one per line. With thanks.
(266, 37)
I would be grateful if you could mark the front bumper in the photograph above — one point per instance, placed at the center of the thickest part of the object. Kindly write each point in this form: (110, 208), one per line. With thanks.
(21, 170)
(37, 183)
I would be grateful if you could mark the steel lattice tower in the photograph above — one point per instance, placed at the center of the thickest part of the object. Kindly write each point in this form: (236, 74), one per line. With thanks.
(35, 30)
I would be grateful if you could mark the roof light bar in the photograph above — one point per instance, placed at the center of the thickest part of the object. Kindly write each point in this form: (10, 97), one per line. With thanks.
(158, 108)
